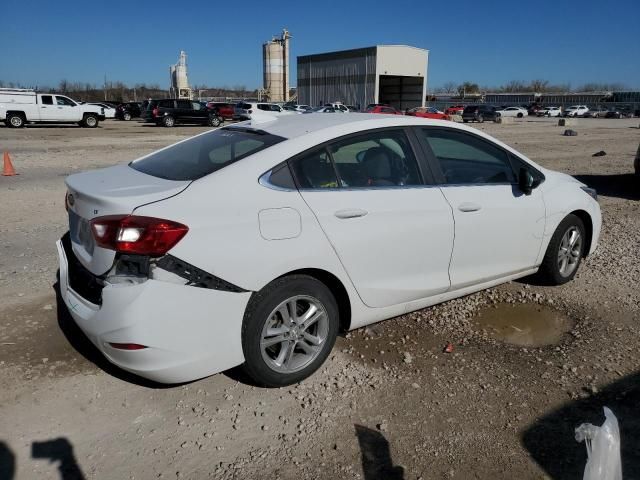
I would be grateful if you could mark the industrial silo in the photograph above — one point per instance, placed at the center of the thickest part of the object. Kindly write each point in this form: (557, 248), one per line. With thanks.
(179, 80)
(275, 56)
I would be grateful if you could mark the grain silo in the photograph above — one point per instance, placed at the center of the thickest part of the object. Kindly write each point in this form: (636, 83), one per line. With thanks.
(179, 80)
(275, 57)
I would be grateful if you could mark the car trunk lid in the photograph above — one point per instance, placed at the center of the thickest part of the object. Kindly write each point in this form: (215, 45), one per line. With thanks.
(117, 190)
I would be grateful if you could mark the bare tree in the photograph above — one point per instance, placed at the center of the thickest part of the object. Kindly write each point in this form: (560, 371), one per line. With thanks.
(539, 86)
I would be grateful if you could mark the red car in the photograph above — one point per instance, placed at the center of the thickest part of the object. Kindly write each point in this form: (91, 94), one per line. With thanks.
(428, 112)
(455, 110)
(383, 109)
(225, 110)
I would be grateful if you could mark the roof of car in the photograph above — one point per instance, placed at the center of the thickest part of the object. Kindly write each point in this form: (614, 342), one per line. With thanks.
(292, 126)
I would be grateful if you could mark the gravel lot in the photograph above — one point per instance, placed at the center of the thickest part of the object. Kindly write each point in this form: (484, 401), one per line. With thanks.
(389, 404)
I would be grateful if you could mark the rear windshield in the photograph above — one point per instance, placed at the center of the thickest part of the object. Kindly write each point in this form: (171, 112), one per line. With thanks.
(205, 154)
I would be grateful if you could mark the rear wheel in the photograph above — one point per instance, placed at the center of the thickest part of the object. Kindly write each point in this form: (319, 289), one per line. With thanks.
(15, 120)
(288, 331)
(565, 252)
(168, 121)
(480, 119)
(214, 121)
(520, 115)
(126, 116)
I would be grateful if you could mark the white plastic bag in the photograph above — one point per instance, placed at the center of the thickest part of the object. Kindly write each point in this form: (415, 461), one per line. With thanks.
(603, 448)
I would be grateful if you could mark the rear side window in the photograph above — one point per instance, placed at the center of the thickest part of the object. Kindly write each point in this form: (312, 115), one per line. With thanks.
(470, 109)
(204, 154)
(467, 159)
(165, 104)
(315, 170)
(186, 104)
(47, 100)
(244, 106)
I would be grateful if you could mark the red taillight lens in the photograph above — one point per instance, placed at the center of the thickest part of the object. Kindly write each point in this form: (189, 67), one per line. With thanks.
(137, 235)
(127, 346)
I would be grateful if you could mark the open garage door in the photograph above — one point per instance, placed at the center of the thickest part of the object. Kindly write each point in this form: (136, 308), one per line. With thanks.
(401, 92)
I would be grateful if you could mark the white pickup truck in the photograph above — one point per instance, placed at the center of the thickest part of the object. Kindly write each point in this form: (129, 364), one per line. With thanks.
(21, 106)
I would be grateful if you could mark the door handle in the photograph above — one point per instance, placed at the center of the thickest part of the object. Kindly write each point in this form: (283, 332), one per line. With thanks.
(350, 213)
(469, 207)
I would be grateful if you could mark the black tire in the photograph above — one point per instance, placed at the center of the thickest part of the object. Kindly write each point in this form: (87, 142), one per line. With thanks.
(90, 121)
(480, 119)
(465, 121)
(214, 121)
(168, 121)
(261, 307)
(549, 271)
(15, 120)
(126, 116)
(520, 115)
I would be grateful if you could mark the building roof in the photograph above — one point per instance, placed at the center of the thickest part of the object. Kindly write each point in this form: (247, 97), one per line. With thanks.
(354, 52)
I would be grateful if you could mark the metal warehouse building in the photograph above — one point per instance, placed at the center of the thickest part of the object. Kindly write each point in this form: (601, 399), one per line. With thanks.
(391, 74)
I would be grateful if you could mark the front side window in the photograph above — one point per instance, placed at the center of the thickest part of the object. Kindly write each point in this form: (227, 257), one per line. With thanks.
(204, 154)
(196, 106)
(467, 159)
(64, 101)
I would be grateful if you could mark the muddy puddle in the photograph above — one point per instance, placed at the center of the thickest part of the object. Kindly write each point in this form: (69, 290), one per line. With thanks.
(524, 324)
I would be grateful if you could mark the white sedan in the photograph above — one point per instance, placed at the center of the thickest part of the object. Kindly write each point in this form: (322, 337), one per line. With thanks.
(518, 112)
(550, 112)
(256, 243)
(109, 111)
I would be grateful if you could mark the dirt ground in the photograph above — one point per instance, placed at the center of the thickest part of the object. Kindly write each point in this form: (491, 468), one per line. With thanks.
(388, 404)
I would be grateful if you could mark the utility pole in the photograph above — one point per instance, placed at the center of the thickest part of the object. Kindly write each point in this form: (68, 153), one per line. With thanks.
(105, 87)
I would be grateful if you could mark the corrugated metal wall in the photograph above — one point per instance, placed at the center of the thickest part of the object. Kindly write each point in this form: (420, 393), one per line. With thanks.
(347, 77)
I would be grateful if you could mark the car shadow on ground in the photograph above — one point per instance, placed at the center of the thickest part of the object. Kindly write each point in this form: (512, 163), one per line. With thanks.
(88, 350)
(54, 450)
(376, 456)
(625, 185)
(550, 440)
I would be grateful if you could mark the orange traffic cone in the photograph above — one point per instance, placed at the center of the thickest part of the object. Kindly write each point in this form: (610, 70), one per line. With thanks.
(8, 170)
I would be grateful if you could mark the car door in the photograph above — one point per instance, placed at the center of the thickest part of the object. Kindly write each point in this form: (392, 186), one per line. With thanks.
(48, 110)
(498, 229)
(390, 227)
(184, 111)
(66, 110)
(199, 113)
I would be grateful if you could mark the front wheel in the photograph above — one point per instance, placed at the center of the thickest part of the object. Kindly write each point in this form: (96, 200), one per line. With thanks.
(126, 116)
(480, 119)
(565, 252)
(288, 331)
(90, 121)
(168, 121)
(214, 121)
(520, 115)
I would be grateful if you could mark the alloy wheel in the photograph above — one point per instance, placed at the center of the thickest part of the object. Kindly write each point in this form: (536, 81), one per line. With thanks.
(569, 251)
(294, 334)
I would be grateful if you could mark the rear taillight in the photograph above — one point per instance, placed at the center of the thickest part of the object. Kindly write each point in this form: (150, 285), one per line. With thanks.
(137, 235)
(127, 346)
(155, 112)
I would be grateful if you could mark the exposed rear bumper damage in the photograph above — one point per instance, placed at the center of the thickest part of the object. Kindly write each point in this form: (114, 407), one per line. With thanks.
(189, 332)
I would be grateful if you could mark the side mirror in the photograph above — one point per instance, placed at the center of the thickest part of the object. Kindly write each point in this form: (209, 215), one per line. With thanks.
(525, 181)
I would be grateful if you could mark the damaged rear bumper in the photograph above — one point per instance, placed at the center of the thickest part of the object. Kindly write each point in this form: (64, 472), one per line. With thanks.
(189, 332)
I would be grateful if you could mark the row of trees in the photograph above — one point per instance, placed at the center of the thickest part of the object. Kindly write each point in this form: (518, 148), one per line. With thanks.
(538, 86)
(120, 92)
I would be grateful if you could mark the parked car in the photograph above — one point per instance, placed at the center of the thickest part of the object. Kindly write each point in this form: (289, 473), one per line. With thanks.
(383, 109)
(353, 108)
(173, 281)
(549, 112)
(324, 109)
(171, 111)
(338, 106)
(427, 112)
(454, 110)
(225, 110)
(479, 113)
(129, 110)
(533, 108)
(517, 112)
(619, 112)
(244, 110)
(109, 111)
(575, 111)
(19, 107)
(599, 111)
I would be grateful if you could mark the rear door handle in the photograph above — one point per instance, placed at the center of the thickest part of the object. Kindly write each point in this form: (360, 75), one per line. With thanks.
(350, 213)
(469, 207)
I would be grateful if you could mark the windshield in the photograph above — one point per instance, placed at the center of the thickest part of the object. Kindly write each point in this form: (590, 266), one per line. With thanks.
(205, 154)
